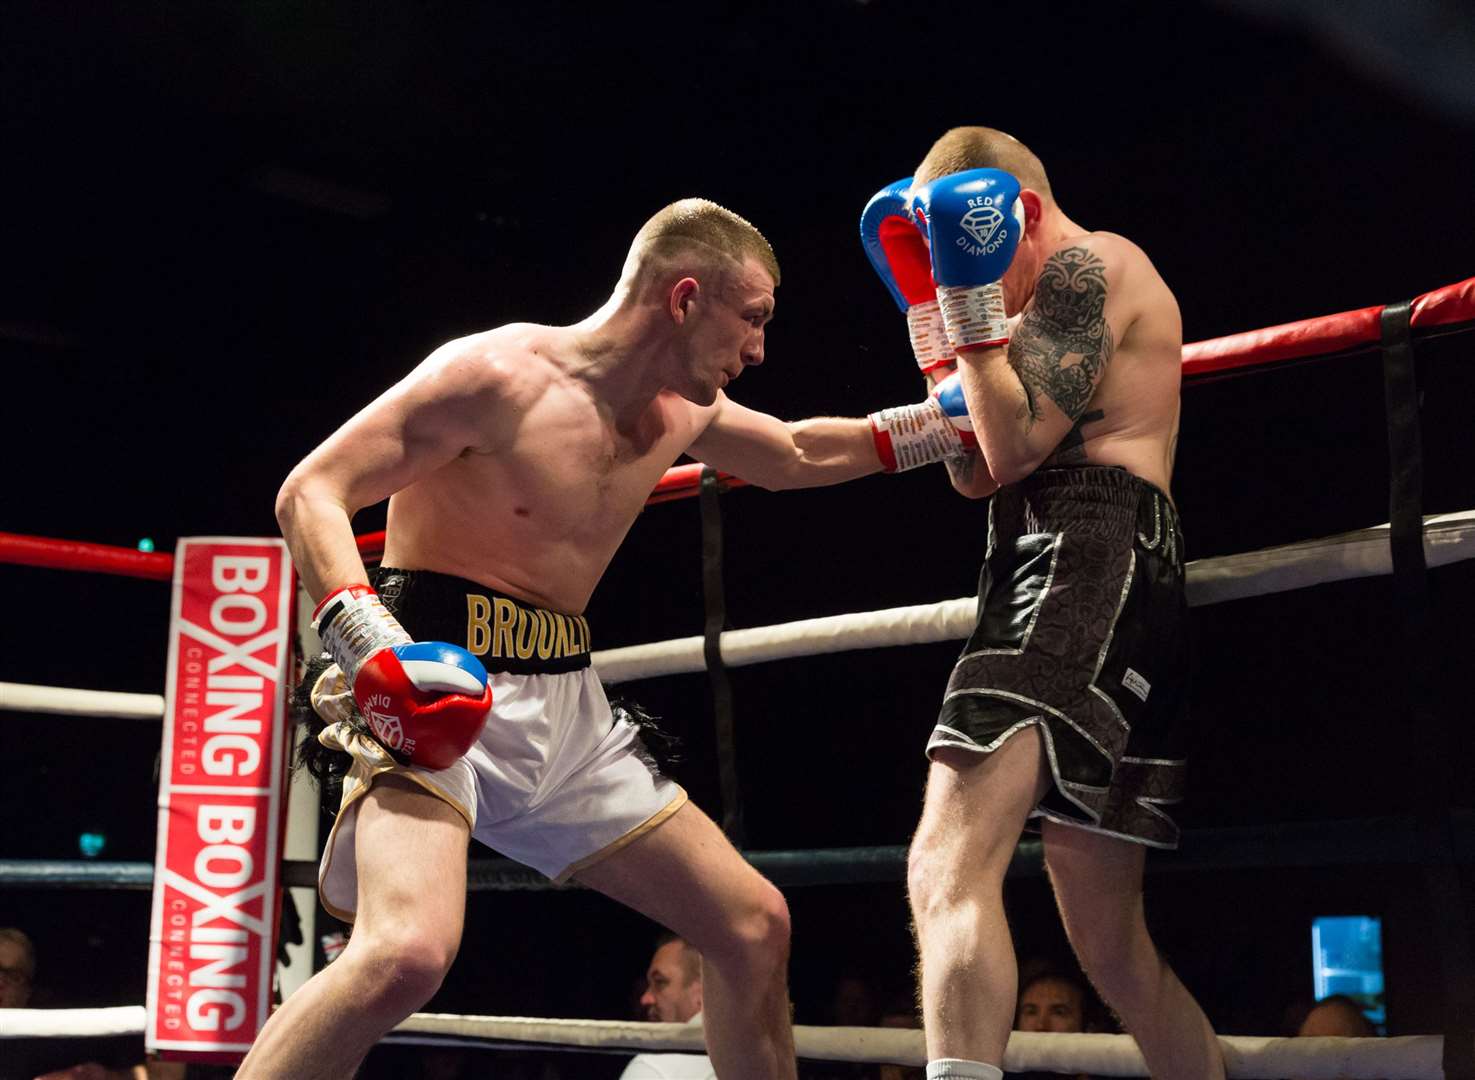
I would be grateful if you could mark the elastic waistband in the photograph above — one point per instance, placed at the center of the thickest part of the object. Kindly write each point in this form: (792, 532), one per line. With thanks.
(1100, 500)
(505, 633)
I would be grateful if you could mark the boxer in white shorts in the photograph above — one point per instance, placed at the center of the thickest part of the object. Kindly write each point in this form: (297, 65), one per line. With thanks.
(516, 460)
(554, 779)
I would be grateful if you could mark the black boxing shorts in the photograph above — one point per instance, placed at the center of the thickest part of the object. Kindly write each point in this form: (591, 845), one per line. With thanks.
(1083, 633)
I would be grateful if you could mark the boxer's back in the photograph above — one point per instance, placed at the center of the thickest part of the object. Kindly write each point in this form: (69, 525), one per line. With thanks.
(541, 507)
(1132, 418)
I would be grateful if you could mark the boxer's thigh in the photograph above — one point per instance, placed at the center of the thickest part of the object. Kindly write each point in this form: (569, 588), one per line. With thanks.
(976, 806)
(411, 853)
(687, 876)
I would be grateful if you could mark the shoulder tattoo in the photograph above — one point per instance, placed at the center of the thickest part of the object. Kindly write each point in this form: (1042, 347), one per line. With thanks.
(1063, 343)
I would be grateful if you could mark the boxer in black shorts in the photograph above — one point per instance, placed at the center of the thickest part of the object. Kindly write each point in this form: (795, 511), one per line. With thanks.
(1066, 706)
(1082, 631)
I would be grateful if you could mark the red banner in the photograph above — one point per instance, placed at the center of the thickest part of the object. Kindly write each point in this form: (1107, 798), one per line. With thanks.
(212, 937)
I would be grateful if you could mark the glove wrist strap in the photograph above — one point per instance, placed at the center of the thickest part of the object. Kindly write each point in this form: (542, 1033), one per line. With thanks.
(910, 436)
(930, 344)
(354, 624)
(974, 315)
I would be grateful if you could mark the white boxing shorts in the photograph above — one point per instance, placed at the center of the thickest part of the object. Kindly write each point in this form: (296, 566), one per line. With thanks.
(555, 781)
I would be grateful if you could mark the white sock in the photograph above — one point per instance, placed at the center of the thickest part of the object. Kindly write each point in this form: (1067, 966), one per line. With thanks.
(958, 1069)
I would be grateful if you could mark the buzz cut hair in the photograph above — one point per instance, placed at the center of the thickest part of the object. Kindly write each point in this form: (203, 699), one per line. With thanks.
(965, 148)
(701, 226)
(691, 958)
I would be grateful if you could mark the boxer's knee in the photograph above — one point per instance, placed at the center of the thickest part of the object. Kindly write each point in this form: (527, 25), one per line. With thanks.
(400, 970)
(946, 879)
(755, 936)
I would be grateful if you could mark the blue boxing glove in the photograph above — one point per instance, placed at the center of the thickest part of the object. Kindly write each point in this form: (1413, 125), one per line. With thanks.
(899, 254)
(973, 221)
(949, 395)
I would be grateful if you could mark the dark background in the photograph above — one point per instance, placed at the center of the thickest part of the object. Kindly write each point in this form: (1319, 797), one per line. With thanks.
(227, 227)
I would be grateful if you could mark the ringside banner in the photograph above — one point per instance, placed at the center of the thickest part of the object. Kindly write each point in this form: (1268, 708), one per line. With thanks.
(212, 936)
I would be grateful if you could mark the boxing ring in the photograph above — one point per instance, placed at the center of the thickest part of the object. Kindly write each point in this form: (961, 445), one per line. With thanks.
(1438, 843)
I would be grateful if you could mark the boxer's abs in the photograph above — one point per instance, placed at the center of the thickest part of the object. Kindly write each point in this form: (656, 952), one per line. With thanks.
(539, 527)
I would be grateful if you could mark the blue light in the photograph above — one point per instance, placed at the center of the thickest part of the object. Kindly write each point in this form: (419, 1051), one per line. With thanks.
(92, 844)
(146, 544)
(1347, 958)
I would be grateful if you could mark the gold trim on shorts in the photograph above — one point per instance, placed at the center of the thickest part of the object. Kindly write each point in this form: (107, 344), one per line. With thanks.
(634, 834)
(333, 701)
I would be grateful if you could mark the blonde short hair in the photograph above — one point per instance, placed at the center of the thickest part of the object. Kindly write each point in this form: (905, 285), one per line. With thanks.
(700, 227)
(983, 148)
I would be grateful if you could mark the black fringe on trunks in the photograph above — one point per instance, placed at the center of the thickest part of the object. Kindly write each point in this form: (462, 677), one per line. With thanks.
(327, 767)
(655, 746)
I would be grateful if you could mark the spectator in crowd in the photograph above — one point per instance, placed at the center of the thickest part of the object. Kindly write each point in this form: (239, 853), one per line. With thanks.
(900, 1013)
(673, 995)
(17, 968)
(855, 1002)
(119, 1058)
(1337, 1015)
(1051, 1001)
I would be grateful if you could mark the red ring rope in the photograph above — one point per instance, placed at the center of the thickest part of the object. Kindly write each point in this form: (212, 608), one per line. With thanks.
(1325, 335)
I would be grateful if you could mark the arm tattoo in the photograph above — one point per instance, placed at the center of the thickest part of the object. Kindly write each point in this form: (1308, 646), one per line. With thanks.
(1072, 448)
(960, 468)
(1067, 320)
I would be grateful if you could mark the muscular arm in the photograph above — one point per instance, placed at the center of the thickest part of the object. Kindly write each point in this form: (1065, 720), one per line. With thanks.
(1025, 402)
(773, 454)
(969, 475)
(435, 413)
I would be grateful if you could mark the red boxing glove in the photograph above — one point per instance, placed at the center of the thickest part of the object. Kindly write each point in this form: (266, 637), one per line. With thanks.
(425, 701)
(899, 255)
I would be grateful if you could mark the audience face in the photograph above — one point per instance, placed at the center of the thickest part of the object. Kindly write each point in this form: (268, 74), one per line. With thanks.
(670, 996)
(1049, 1004)
(854, 1004)
(1337, 1017)
(16, 967)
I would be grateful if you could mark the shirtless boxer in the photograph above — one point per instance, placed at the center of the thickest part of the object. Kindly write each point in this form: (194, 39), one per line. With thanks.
(514, 462)
(1068, 703)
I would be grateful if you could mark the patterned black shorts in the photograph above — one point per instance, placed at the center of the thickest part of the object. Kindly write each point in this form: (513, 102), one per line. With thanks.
(1082, 631)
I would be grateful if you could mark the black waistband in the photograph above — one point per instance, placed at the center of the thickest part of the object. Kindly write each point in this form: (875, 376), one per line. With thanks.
(1102, 500)
(505, 633)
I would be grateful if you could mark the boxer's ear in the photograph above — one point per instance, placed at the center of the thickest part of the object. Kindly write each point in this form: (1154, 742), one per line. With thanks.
(683, 294)
(1029, 198)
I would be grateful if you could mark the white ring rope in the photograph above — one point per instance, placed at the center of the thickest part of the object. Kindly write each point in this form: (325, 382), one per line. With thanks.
(1415, 1057)
(21, 697)
(72, 1023)
(1448, 538)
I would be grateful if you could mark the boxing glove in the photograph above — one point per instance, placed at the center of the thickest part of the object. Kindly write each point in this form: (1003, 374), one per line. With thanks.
(973, 222)
(899, 255)
(425, 701)
(908, 436)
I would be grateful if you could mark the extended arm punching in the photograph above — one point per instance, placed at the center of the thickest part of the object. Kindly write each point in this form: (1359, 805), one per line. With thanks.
(775, 454)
